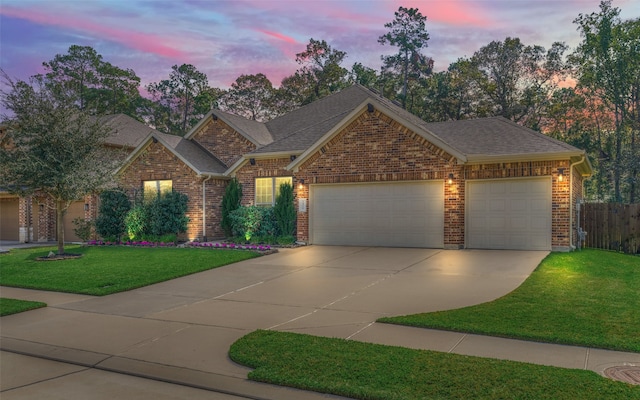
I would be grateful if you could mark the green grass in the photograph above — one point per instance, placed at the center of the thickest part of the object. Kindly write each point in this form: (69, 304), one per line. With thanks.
(371, 371)
(588, 298)
(105, 270)
(14, 306)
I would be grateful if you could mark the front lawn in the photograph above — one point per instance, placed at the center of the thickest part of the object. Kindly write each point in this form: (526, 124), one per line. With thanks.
(14, 306)
(370, 371)
(111, 269)
(588, 298)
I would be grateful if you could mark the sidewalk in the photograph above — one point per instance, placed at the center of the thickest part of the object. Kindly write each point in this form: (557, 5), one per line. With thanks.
(180, 331)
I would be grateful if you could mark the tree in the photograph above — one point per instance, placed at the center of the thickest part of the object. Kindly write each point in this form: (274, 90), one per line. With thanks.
(96, 85)
(321, 68)
(518, 79)
(250, 96)
(407, 32)
(608, 67)
(182, 100)
(55, 148)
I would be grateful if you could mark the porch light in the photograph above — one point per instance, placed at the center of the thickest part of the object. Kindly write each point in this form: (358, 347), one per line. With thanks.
(300, 183)
(560, 174)
(450, 180)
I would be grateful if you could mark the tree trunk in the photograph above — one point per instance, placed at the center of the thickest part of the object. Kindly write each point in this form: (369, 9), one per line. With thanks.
(60, 210)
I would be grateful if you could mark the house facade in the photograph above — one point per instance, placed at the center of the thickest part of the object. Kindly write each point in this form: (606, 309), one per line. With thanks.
(366, 172)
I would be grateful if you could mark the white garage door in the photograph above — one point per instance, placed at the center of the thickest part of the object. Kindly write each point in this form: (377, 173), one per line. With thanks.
(405, 214)
(509, 214)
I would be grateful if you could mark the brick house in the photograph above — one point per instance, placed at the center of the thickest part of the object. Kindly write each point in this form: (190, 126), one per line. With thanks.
(366, 172)
(33, 218)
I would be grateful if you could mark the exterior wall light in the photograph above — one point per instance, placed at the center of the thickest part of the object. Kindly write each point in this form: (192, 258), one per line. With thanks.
(252, 161)
(450, 180)
(560, 174)
(300, 183)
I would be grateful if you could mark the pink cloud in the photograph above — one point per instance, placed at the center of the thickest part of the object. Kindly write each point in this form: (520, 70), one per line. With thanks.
(279, 36)
(136, 40)
(451, 12)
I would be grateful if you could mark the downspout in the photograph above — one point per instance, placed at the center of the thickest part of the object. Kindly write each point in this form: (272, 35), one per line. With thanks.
(571, 199)
(204, 209)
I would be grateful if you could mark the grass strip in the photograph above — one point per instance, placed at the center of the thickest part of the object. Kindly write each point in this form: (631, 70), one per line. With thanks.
(588, 298)
(371, 371)
(105, 270)
(14, 306)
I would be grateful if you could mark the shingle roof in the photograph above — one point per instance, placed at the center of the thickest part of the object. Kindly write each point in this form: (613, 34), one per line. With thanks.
(253, 129)
(192, 154)
(496, 136)
(298, 130)
(127, 132)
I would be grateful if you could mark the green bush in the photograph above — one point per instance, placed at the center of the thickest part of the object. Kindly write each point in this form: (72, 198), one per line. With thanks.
(253, 222)
(230, 202)
(137, 222)
(153, 220)
(114, 206)
(284, 210)
(167, 214)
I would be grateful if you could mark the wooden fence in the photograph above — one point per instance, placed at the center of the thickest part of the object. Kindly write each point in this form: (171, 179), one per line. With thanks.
(611, 226)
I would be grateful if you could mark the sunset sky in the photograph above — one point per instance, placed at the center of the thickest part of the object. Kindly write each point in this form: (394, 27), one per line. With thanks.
(228, 38)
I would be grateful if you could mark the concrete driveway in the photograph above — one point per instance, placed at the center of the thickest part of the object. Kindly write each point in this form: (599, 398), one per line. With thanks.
(180, 331)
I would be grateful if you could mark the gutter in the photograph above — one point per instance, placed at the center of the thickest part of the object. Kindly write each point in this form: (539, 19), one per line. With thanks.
(571, 198)
(204, 209)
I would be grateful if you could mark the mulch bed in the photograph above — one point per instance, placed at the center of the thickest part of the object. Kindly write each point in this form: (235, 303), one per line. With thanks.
(57, 257)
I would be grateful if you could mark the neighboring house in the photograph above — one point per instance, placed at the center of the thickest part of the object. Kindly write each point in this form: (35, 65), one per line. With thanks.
(368, 173)
(33, 219)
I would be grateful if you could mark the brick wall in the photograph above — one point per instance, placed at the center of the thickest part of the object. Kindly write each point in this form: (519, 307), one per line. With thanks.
(158, 163)
(223, 141)
(262, 169)
(375, 148)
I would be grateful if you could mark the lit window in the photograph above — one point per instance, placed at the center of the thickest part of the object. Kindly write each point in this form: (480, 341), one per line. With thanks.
(153, 189)
(267, 187)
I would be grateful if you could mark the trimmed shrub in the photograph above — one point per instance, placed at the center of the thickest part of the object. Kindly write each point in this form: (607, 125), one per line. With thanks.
(253, 222)
(284, 210)
(167, 214)
(230, 202)
(114, 206)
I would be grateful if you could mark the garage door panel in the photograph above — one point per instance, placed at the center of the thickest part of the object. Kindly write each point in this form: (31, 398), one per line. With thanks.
(407, 214)
(509, 214)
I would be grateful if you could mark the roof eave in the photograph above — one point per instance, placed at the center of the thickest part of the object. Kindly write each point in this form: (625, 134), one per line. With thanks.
(497, 158)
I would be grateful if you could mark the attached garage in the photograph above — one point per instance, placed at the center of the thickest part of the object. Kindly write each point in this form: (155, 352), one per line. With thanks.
(404, 214)
(512, 214)
(9, 218)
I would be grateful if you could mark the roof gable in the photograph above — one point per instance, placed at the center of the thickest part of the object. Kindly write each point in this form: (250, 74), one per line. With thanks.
(196, 158)
(254, 131)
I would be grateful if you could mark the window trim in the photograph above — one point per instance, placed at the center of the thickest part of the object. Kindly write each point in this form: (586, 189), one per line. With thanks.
(274, 189)
(158, 188)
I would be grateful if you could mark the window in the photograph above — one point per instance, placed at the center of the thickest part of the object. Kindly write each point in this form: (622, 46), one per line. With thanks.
(154, 188)
(266, 187)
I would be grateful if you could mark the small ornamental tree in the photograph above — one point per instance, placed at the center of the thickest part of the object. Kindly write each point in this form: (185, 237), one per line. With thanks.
(285, 211)
(230, 202)
(54, 148)
(114, 206)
